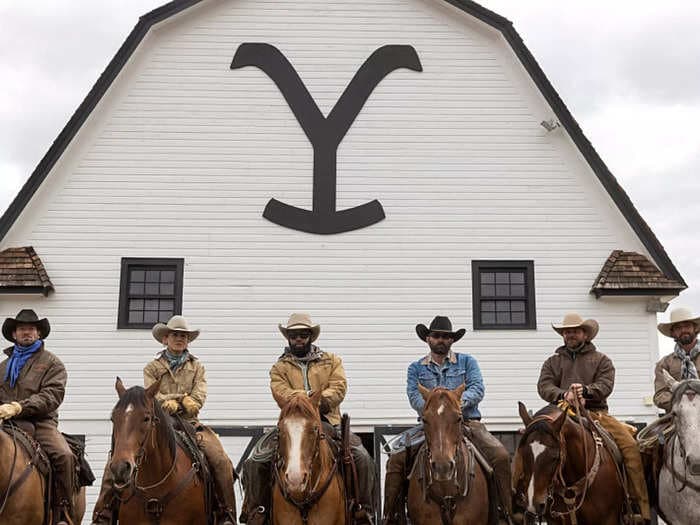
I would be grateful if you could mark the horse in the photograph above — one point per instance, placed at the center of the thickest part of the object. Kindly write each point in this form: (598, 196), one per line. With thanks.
(451, 486)
(155, 480)
(23, 486)
(679, 480)
(308, 485)
(564, 474)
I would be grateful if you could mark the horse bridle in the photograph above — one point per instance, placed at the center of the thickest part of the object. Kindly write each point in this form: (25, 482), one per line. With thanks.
(693, 385)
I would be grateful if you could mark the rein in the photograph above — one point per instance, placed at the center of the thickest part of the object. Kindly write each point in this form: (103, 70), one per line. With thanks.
(684, 481)
(13, 486)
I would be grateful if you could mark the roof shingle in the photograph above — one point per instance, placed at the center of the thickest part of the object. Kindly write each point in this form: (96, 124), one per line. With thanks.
(21, 271)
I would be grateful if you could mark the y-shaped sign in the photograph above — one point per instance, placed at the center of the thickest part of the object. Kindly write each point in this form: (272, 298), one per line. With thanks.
(325, 134)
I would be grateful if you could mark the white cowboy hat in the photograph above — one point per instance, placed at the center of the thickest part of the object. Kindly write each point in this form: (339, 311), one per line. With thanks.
(300, 322)
(573, 320)
(177, 323)
(679, 315)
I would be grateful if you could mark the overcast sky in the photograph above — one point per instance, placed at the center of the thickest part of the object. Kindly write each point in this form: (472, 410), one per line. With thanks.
(629, 71)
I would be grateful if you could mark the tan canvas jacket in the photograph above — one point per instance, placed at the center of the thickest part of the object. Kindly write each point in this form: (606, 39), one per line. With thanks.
(325, 374)
(188, 380)
(672, 364)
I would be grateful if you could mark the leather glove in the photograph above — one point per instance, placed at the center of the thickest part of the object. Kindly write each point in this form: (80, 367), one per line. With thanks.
(324, 406)
(171, 406)
(190, 406)
(9, 410)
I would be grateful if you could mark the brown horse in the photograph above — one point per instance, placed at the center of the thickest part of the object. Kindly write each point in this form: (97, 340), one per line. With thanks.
(447, 486)
(563, 473)
(155, 479)
(309, 488)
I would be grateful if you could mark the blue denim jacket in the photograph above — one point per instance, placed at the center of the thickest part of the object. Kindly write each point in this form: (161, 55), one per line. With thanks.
(458, 369)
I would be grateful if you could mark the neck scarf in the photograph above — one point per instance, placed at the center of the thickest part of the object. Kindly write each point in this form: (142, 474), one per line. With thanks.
(18, 359)
(175, 361)
(688, 370)
(312, 355)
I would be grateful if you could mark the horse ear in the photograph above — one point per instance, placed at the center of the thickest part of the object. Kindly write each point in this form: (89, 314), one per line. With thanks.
(524, 414)
(316, 398)
(152, 390)
(119, 386)
(459, 390)
(670, 381)
(424, 392)
(559, 422)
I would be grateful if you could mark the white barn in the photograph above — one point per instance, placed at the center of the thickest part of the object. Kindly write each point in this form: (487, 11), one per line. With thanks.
(185, 182)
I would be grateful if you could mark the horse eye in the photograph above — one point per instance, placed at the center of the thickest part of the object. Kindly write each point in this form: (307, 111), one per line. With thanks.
(146, 419)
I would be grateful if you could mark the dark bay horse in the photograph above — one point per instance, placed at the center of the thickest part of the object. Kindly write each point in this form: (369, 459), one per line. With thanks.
(155, 479)
(22, 504)
(308, 488)
(564, 474)
(450, 486)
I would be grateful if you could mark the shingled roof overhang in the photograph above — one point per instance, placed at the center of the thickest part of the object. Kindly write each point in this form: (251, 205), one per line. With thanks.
(22, 272)
(505, 26)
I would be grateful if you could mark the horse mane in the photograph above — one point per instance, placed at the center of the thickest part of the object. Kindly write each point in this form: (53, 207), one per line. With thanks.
(442, 393)
(300, 404)
(682, 386)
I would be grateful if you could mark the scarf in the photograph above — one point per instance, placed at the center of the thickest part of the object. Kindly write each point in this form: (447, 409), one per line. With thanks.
(313, 355)
(20, 356)
(175, 361)
(688, 370)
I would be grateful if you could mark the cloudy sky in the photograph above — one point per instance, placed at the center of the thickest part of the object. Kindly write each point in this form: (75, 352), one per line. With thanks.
(629, 71)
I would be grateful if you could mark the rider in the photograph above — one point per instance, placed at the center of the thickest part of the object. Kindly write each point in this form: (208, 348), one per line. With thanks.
(303, 368)
(182, 391)
(444, 368)
(32, 389)
(578, 371)
(684, 361)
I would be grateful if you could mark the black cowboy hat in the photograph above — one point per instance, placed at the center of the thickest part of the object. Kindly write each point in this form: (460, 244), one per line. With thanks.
(26, 317)
(440, 324)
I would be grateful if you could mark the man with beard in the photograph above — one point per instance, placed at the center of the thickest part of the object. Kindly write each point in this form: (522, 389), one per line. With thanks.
(303, 368)
(578, 371)
(444, 368)
(684, 361)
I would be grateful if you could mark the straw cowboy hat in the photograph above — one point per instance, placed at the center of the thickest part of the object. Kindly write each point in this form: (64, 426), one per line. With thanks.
(26, 317)
(440, 324)
(177, 323)
(300, 321)
(573, 320)
(679, 315)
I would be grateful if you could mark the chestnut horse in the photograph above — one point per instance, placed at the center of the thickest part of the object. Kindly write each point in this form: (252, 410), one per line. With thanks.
(447, 485)
(563, 473)
(21, 504)
(308, 486)
(155, 480)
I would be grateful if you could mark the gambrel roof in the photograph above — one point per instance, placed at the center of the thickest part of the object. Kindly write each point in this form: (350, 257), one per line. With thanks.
(503, 25)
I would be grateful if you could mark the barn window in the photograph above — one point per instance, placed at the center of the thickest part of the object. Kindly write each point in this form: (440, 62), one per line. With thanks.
(503, 295)
(150, 291)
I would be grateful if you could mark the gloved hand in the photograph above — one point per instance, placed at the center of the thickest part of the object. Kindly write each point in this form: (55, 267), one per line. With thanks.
(190, 406)
(171, 406)
(324, 407)
(9, 410)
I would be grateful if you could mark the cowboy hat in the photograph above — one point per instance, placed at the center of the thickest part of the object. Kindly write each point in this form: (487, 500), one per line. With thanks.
(300, 322)
(26, 317)
(177, 323)
(573, 320)
(679, 315)
(439, 324)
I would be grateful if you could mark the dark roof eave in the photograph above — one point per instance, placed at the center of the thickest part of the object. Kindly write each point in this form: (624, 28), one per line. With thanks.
(636, 292)
(23, 290)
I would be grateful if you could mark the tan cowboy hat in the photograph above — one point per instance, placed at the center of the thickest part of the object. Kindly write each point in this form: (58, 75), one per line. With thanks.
(573, 320)
(26, 317)
(679, 315)
(177, 323)
(300, 321)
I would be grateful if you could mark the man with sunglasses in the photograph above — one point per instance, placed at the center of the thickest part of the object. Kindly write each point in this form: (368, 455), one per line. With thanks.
(303, 368)
(444, 368)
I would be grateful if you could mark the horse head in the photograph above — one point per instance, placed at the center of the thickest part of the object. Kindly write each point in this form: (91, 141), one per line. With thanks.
(686, 411)
(442, 423)
(300, 436)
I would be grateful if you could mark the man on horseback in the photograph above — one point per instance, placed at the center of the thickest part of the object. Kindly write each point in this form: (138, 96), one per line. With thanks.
(579, 372)
(32, 389)
(182, 391)
(684, 361)
(304, 368)
(444, 368)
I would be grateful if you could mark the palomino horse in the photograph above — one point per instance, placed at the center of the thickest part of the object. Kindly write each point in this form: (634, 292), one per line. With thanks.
(679, 481)
(447, 486)
(155, 479)
(309, 488)
(563, 473)
(23, 487)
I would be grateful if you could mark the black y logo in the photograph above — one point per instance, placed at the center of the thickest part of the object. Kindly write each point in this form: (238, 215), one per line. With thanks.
(325, 134)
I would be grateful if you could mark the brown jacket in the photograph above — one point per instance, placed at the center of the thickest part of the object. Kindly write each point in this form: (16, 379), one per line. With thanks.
(593, 369)
(40, 387)
(188, 380)
(326, 374)
(672, 364)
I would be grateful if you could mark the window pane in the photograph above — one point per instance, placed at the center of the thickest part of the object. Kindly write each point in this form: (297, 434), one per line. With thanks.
(136, 317)
(503, 318)
(518, 317)
(166, 304)
(503, 306)
(488, 290)
(136, 304)
(150, 317)
(167, 276)
(501, 278)
(502, 290)
(517, 277)
(163, 317)
(152, 288)
(152, 276)
(517, 306)
(488, 318)
(167, 289)
(136, 289)
(488, 306)
(137, 275)
(152, 304)
(487, 278)
(517, 290)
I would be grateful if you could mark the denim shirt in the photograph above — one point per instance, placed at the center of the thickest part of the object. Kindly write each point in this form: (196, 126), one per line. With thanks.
(458, 369)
